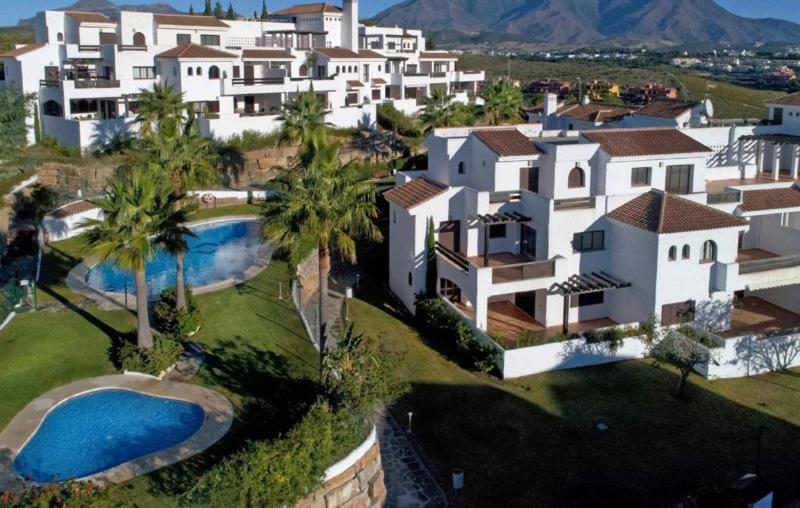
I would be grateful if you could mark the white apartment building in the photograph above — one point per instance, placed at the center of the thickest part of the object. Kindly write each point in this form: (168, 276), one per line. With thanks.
(543, 230)
(87, 70)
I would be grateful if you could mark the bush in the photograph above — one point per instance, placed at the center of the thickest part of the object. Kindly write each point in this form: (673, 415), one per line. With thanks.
(67, 494)
(391, 119)
(164, 353)
(249, 140)
(52, 145)
(612, 337)
(439, 322)
(172, 323)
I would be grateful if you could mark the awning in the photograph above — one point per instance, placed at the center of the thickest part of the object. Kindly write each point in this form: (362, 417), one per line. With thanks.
(585, 283)
(500, 218)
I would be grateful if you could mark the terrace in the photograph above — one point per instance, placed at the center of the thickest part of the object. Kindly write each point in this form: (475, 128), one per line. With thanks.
(752, 315)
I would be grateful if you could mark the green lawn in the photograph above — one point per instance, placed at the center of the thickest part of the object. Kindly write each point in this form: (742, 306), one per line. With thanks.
(533, 442)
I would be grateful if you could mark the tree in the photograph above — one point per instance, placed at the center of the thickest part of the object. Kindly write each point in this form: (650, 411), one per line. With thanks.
(230, 13)
(431, 272)
(15, 108)
(161, 110)
(438, 110)
(264, 11)
(207, 10)
(321, 200)
(136, 206)
(502, 102)
(302, 117)
(218, 10)
(191, 10)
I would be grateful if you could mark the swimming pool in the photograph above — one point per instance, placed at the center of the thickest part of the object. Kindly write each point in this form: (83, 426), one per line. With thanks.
(100, 430)
(219, 251)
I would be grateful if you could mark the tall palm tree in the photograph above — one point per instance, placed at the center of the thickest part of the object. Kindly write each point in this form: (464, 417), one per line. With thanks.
(502, 102)
(326, 202)
(161, 109)
(136, 208)
(302, 117)
(438, 110)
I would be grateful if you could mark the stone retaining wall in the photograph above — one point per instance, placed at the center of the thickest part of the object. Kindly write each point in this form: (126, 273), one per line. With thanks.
(359, 486)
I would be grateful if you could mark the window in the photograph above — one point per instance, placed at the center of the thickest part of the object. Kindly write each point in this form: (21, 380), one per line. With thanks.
(213, 72)
(138, 39)
(52, 108)
(60, 37)
(709, 252)
(529, 179)
(209, 40)
(777, 116)
(2, 71)
(687, 252)
(497, 231)
(394, 217)
(190, 71)
(589, 241)
(410, 279)
(144, 73)
(183, 39)
(108, 38)
(679, 179)
(338, 69)
(577, 178)
(199, 71)
(462, 168)
(236, 71)
(212, 106)
(677, 313)
(587, 299)
(640, 177)
(673, 253)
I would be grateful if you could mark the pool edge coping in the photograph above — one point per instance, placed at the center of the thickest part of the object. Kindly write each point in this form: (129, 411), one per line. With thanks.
(106, 300)
(218, 410)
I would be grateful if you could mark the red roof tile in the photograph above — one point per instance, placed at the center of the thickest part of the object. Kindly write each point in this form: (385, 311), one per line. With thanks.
(507, 142)
(89, 17)
(188, 20)
(415, 192)
(195, 51)
(314, 8)
(663, 213)
(379, 81)
(354, 83)
(267, 54)
(22, 50)
(595, 112)
(666, 109)
(73, 209)
(793, 99)
(643, 142)
(346, 54)
(770, 199)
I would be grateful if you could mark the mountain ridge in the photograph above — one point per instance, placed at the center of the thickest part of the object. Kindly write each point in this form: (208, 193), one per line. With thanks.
(109, 9)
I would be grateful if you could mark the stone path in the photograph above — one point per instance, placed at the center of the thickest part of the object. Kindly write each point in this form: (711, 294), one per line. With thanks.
(409, 484)
(188, 365)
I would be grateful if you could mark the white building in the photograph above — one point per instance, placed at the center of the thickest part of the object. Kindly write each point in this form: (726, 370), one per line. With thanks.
(88, 70)
(543, 230)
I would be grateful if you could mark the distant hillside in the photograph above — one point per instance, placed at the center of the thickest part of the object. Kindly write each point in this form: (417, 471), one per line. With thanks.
(12, 35)
(109, 9)
(655, 23)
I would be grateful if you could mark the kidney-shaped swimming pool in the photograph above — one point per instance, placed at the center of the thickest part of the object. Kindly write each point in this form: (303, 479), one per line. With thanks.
(100, 430)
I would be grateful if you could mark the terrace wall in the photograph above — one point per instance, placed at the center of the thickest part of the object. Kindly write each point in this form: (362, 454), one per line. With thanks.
(750, 356)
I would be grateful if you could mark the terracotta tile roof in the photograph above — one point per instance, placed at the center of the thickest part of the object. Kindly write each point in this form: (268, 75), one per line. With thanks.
(308, 9)
(595, 112)
(641, 142)
(22, 50)
(346, 54)
(89, 17)
(770, 199)
(72, 209)
(793, 99)
(194, 51)
(437, 55)
(267, 54)
(415, 192)
(368, 53)
(666, 109)
(662, 213)
(188, 20)
(506, 142)
(379, 81)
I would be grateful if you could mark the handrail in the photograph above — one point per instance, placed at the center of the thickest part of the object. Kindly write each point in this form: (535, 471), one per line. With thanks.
(85, 47)
(571, 204)
(96, 83)
(49, 83)
(763, 265)
(258, 81)
(524, 271)
(131, 47)
(458, 259)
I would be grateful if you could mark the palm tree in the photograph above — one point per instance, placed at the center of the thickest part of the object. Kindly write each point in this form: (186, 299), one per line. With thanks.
(438, 110)
(136, 208)
(502, 102)
(323, 201)
(301, 117)
(161, 110)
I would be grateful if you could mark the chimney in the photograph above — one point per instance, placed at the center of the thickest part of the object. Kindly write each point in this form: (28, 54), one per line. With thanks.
(550, 104)
(350, 25)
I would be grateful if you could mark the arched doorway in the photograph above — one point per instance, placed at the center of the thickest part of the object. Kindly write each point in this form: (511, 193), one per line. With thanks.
(52, 108)
(138, 39)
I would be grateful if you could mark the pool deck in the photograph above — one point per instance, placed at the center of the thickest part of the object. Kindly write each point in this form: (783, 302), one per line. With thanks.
(76, 279)
(218, 418)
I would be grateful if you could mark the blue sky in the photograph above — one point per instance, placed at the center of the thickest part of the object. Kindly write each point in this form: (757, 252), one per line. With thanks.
(11, 10)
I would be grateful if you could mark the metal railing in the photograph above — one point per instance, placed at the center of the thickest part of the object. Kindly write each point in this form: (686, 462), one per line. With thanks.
(571, 204)
(96, 83)
(84, 47)
(49, 83)
(764, 265)
(131, 47)
(524, 271)
(258, 81)
(454, 257)
(719, 198)
(438, 74)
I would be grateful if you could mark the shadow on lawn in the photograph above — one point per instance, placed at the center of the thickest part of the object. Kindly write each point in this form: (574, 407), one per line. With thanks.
(269, 399)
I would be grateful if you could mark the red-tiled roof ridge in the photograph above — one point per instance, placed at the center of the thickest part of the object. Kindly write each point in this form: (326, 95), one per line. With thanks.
(666, 108)
(770, 199)
(311, 8)
(644, 141)
(188, 20)
(792, 99)
(89, 17)
(194, 51)
(415, 192)
(506, 142)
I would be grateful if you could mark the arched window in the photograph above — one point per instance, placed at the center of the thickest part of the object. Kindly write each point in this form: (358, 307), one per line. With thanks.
(687, 252)
(199, 71)
(709, 252)
(379, 68)
(138, 39)
(355, 69)
(462, 168)
(338, 69)
(673, 253)
(213, 72)
(60, 37)
(304, 70)
(349, 68)
(190, 71)
(577, 178)
(52, 108)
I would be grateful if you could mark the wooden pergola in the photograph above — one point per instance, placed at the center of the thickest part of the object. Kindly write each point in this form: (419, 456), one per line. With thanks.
(496, 219)
(586, 283)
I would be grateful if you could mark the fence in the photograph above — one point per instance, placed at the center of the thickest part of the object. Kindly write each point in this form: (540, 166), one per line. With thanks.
(309, 314)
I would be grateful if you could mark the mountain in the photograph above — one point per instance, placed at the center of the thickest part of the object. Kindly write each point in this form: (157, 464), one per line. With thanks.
(662, 23)
(110, 9)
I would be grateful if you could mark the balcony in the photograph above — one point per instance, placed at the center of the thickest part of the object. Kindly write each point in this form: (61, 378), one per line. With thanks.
(130, 47)
(509, 267)
(724, 197)
(96, 83)
(259, 81)
(760, 269)
(574, 204)
(504, 197)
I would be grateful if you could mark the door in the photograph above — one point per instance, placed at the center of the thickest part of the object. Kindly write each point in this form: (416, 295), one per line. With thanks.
(249, 104)
(526, 302)
(529, 179)
(528, 242)
(249, 74)
(679, 179)
(51, 73)
(108, 38)
(450, 235)
(677, 313)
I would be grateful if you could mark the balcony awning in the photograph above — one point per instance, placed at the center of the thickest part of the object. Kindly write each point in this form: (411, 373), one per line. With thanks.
(585, 283)
(501, 218)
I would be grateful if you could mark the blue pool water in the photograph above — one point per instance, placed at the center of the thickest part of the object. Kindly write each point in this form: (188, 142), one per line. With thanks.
(220, 251)
(100, 430)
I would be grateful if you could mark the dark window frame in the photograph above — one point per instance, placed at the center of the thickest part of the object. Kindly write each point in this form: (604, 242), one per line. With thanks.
(138, 69)
(589, 241)
(588, 299)
(210, 40)
(495, 229)
(183, 39)
(576, 178)
(641, 177)
(679, 179)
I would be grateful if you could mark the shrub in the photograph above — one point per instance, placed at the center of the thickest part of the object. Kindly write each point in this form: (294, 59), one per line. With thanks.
(249, 140)
(68, 494)
(612, 338)
(172, 323)
(164, 353)
(390, 118)
(52, 145)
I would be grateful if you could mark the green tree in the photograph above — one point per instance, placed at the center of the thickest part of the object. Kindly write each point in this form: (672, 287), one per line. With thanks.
(161, 110)
(431, 272)
(302, 117)
(438, 110)
(502, 102)
(321, 200)
(218, 10)
(230, 13)
(264, 11)
(136, 206)
(191, 10)
(15, 108)
(207, 9)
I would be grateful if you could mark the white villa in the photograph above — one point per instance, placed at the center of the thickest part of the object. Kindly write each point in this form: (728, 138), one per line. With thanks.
(557, 230)
(87, 69)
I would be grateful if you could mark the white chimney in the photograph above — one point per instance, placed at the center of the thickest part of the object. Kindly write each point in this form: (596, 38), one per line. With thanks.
(350, 25)
(550, 104)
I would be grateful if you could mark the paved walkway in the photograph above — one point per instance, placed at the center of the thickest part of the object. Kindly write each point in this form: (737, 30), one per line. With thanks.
(408, 481)
(189, 364)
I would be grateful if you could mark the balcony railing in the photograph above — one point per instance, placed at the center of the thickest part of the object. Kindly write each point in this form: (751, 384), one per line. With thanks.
(572, 204)
(764, 265)
(454, 257)
(49, 83)
(258, 81)
(85, 47)
(438, 74)
(725, 197)
(97, 83)
(524, 271)
(131, 47)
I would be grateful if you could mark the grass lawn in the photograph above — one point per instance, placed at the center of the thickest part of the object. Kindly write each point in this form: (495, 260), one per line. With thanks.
(533, 441)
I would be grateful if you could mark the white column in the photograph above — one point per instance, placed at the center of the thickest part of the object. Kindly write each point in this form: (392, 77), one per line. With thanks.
(760, 156)
(741, 159)
(795, 161)
(776, 161)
